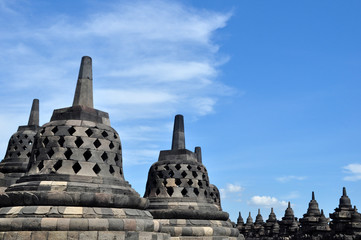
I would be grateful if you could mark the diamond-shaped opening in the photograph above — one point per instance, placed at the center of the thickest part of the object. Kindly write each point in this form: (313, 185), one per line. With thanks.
(61, 141)
(68, 153)
(199, 168)
(115, 136)
(170, 191)
(157, 191)
(205, 193)
(178, 181)
(190, 182)
(104, 156)
(30, 142)
(189, 167)
(41, 165)
(21, 141)
(184, 174)
(87, 155)
(171, 173)
(26, 136)
(165, 182)
(194, 173)
(166, 167)
(203, 176)
(45, 141)
(120, 148)
(18, 154)
(184, 192)
(212, 194)
(97, 143)
(96, 169)
(71, 131)
(89, 132)
(207, 184)
(55, 129)
(16, 147)
(111, 169)
(76, 167)
(111, 145)
(196, 191)
(178, 166)
(50, 153)
(105, 134)
(18, 136)
(200, 183)
(116, 158)
(160, 174)
(120, 171)
(79, 141)
(28, 154)
(42, 131)
(24, 147)
(58, 165)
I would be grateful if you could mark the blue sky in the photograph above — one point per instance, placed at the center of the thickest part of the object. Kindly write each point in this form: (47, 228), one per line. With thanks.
(269, 89)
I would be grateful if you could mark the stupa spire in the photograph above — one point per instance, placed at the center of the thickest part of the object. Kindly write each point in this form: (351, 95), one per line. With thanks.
(84, 87)
(178, 141)
(313, 195)
(198, 152)
(34, 113)
(344, 194)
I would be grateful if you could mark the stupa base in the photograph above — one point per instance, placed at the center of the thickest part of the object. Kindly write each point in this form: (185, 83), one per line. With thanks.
(82, 235)
(186, 229)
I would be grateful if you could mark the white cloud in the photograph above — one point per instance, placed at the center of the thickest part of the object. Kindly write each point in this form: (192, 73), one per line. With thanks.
(151, 60)
(290, 178)
(267, 201)
(233, 190)
(354, 171)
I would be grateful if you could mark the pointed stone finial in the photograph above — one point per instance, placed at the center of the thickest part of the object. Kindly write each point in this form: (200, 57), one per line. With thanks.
(259, 211)
(198, 152)
(322, 212)
(272, 210)
(34, 113)
(178, 141)
(344, 194)
(249, 214)
(84, 87)
(313, 195)
(239, 214)
(289, 204)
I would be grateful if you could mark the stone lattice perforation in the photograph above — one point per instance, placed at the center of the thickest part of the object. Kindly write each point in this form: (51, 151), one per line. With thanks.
(20, 145)
(79, 150)
(178, 180)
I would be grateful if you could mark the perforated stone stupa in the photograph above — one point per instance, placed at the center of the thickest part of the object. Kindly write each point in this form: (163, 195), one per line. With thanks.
(181, 196)
(16, 160)
(75, 188)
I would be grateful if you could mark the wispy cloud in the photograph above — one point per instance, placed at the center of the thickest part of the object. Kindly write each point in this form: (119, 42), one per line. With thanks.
(290, 178)
(354, 171)
(231, 190)
(266, 201)
(152, 59)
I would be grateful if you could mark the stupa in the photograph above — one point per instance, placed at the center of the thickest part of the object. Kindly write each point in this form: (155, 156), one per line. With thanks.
(179, 192)
(311, 218)
(240, 222)
(258, 226)
(16, 160)
(270, 222)
(288, 224)
(345, 220)
(75, 188)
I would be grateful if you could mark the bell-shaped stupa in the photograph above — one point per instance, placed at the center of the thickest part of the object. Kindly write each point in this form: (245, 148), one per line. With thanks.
(75, 187)
(16, 160)
(311, 218)
(180, 194)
